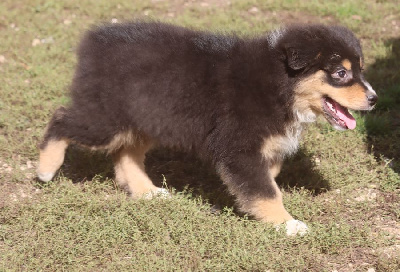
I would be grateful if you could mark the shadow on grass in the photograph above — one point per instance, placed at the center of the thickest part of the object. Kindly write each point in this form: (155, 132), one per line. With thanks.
(299, 171)
(81, 164)
(184, 172)
(383, 124)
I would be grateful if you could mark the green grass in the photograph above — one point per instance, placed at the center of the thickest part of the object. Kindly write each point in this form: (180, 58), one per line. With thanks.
(83, 222)
(91, 226)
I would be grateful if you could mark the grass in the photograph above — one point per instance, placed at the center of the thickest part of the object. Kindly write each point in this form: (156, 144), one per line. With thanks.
(91, 226)
(345, 185)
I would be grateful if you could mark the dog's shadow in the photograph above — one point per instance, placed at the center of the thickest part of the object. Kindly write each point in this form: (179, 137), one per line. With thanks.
(185, 173)
(299, 171)
(383, 124)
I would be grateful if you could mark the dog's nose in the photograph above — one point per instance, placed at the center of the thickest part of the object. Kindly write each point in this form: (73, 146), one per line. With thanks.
(372, 99)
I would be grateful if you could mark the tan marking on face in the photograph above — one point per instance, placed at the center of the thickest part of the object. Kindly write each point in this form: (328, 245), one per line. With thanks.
(269, 210)
(346, 64)
(130, 170)
(351, 97)
(310, 91)
(52, 156)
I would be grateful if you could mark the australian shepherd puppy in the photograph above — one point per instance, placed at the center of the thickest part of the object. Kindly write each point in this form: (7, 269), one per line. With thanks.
(239, 102)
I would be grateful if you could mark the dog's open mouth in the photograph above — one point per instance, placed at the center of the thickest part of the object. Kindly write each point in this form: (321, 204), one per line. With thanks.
(337, 115)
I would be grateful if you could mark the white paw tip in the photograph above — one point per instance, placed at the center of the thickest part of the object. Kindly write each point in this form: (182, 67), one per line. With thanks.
(45, 176)
(296, 227)
(157, 193)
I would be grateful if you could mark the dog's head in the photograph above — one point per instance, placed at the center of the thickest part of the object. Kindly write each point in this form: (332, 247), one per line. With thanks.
(326, 65)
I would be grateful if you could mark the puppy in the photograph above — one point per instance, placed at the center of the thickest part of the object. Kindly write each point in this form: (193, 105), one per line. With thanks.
(238, 102)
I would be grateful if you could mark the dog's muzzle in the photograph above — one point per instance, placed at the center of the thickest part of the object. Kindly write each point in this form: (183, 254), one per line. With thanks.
(372, 99)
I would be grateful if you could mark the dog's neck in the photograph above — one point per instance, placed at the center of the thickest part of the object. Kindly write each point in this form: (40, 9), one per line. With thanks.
(290, 143)
(307, 116)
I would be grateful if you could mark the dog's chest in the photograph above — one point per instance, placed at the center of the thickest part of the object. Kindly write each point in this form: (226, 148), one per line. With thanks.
(279, 146)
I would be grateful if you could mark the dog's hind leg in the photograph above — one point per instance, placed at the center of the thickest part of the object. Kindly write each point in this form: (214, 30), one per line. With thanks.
(52, 149)
(72, 125)
(130, 171)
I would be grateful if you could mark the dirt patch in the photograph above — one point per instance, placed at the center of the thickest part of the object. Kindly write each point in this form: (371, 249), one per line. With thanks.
(285, 17)
(369, 194)
(390, 252)
(178, 4)
(385, 210)
(5, 168)
(208, 3)
(11, 192)
(20, 168)
(178, 7)
(281, 17)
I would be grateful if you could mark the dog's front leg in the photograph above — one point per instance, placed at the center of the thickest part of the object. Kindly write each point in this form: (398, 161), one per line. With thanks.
(251, 178)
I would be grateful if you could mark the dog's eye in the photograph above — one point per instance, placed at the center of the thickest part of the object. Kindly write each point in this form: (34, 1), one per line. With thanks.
(340, 74)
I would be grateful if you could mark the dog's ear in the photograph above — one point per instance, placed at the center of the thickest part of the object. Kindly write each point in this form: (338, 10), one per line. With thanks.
(299, 57)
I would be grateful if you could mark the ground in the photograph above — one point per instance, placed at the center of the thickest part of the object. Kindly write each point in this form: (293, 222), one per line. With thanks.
(346, 186)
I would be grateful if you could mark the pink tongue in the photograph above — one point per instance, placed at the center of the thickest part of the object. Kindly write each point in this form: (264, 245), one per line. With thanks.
(345, 116)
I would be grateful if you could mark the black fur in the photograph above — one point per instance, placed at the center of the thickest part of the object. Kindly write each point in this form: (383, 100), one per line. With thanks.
(218, 95)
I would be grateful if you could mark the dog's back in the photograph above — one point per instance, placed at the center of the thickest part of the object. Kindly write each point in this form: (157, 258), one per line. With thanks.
(151, 77)
(169, 82)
